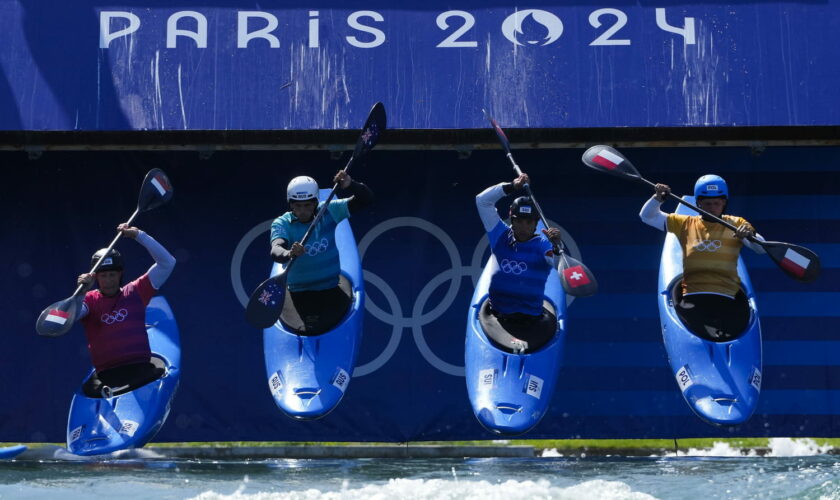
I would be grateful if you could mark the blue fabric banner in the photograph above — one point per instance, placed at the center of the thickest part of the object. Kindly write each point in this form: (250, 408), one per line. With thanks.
(422, 246)
(223, 65)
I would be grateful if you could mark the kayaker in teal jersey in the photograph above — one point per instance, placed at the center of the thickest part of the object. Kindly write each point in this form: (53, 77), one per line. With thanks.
(313, 281)
(525, 258)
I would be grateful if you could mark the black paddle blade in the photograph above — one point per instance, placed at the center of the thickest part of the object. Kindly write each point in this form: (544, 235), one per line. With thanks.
(577, 279)
(499, 132)
(266, 303)
(374, 126)
(608, 160)
(156, 191)
(58, 319)
(797, 262)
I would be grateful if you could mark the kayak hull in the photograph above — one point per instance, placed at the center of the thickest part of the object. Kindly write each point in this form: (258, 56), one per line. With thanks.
(309, 375)
(720, 381)
(10, 452)
(509, 392)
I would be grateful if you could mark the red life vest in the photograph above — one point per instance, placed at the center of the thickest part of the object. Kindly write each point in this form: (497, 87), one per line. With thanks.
(116, 326)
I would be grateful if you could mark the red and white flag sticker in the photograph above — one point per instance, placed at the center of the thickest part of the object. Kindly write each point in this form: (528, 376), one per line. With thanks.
(56, 316)
(607, 159)
(159, 182)
(795, 262)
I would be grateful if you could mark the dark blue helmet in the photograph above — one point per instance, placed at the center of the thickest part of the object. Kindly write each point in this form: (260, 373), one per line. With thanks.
(113, 261)
(523, 208)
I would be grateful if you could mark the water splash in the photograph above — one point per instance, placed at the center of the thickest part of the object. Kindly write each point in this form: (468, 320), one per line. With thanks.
(778, 447)
(805, 447)
(718, 449)
(450, 490)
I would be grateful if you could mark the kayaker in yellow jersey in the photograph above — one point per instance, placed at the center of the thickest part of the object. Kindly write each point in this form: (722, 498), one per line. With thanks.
(712, 303)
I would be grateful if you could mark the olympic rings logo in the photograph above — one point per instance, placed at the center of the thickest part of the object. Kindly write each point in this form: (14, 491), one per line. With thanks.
(708, 246)
(114, 317)
(391, 313)
(513, 267)
(314, 249)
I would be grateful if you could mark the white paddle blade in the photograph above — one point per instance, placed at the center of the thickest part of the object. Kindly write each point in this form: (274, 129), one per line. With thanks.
(609, 161)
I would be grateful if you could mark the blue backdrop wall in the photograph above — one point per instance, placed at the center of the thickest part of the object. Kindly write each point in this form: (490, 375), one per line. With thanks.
(286, 64)
(422, 247)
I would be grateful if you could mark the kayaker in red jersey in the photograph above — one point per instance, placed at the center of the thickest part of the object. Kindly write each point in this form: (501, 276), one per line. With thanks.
(114, 318)
(712, 304)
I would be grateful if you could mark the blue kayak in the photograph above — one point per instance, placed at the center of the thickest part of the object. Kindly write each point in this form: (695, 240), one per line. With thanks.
(720, 380)
(131, 419)
(511, 373)
(308, 373)
(10, 452)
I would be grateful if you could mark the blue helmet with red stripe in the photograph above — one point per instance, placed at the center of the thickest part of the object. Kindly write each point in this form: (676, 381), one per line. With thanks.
(711, 186)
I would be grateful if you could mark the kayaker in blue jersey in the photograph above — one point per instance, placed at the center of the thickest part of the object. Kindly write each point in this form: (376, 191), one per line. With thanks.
(525, 258)
(313, 281)
(712, 304)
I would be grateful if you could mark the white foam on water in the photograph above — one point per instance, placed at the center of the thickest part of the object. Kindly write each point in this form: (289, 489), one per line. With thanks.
(718, 449)
(787, 447)
(779, 447)
(551, 452)
(439, 489)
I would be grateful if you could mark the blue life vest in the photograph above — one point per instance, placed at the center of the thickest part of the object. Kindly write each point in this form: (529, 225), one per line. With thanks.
(518, 284)
(319, 266)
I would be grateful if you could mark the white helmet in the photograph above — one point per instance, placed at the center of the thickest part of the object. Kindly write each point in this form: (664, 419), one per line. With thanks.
(302, 188)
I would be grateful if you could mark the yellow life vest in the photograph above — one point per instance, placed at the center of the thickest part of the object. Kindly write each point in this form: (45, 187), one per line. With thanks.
(710, 253)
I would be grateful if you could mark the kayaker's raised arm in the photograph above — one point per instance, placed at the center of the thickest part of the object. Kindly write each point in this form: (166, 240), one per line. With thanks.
(164, 261)
(651, 214)
(486, 200)
(360, 195)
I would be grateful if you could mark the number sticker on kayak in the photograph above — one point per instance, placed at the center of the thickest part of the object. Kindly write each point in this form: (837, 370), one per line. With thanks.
(684, 378)
(755, 379)
(487, 377)
(534, 386)
(129, 427)
(341, 379)
(75, 434)
(275, 384)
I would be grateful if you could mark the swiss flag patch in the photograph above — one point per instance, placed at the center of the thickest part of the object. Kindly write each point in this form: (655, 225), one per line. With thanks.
(575, 276)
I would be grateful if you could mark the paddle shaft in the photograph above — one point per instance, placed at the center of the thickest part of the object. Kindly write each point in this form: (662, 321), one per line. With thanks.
(320, 213)
(82, 286)
(698, 209)
(527, 187)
